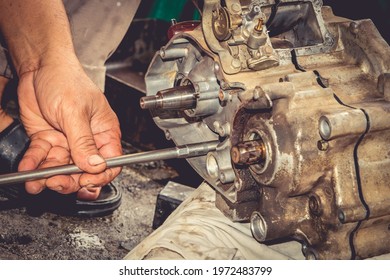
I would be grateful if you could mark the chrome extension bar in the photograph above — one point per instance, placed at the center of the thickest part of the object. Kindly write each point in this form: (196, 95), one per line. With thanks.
(184, 151)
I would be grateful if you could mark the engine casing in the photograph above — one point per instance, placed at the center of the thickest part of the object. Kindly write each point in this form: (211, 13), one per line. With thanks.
(299, 100)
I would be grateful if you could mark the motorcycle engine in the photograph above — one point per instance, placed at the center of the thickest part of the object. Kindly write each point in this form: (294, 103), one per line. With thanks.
(299, 100)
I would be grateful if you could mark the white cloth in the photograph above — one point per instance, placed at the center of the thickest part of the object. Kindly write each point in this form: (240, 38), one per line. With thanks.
(198, 230)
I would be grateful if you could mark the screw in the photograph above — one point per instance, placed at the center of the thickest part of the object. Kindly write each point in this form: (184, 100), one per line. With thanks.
(322, 145)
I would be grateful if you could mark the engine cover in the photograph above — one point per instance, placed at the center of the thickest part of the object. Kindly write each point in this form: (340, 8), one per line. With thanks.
(299, 101)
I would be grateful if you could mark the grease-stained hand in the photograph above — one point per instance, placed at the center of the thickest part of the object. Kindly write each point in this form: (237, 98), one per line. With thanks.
(68, 120)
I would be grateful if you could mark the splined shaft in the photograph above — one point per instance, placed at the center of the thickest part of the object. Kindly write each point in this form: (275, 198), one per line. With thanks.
(177, 98)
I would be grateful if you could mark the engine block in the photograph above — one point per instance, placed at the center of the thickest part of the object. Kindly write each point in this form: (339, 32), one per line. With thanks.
(299, 100)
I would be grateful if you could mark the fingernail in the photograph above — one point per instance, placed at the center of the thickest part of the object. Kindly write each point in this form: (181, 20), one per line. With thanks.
(57, 188)
(95, 160)
(85, 194)
(89, 186)
(35, 190)
(90, 189)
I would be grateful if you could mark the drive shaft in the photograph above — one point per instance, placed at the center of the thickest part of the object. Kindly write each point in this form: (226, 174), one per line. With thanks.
(184, 151)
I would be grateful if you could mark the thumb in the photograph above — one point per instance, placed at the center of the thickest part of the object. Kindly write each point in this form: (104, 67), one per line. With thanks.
(82, 145)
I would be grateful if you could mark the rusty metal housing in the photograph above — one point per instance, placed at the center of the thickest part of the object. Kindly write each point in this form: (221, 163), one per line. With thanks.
(299, 100)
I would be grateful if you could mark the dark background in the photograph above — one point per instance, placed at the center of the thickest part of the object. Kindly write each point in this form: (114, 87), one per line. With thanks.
(376, 10)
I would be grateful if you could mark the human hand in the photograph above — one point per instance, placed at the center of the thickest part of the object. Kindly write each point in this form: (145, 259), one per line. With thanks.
(69, 121)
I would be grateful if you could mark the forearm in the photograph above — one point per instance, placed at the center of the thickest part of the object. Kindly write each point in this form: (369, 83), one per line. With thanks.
(36, 32)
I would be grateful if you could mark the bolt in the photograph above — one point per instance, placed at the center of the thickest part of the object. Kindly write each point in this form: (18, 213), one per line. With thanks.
(216, 67)
(329, 39)
(222, 129)
(223, 96)
(217, 125)
(354, 28)
(268, 50)
(341, 215)
(224, 85)
(322, 145)
(236, 63)
(168, 135)
(237, 184)
(236, 8)
(225, 130)
(162, 52)
(256, 93)
(222, 177)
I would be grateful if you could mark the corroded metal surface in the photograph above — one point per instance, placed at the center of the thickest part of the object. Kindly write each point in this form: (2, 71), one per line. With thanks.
(300, 98)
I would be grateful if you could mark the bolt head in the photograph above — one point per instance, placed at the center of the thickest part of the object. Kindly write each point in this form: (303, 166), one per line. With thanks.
(236, 8)
(322, 145)
(236, 63)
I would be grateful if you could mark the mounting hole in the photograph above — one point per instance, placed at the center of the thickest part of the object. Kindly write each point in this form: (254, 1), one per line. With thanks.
(258, 227)
(325, 128)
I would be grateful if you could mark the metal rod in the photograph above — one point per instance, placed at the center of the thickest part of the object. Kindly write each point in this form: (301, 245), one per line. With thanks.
(184, 151)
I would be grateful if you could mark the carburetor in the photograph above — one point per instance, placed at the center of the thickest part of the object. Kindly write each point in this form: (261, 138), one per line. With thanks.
(298, 99)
